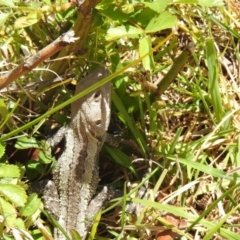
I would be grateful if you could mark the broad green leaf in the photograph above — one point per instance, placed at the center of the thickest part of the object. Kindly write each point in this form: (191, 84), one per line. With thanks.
(207, 3)
(35, 165)
(27, 142)
(9, 171)
(8, 212)
(3, 18)
(30, 220)
(31, 206)
(36, 5)
(19, 223)
(145, 47)
(8, 3)
(28, 20)
(2, 149)
(163, 21)
(115, 14)
(44, 158)
(123, 31)
(158, 6)
(143, 17)
(13, 193)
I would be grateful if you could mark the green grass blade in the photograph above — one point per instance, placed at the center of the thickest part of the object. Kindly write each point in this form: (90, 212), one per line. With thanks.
(184, 213)
(6, 115)
(129, 121)
(213, 77)
(201, 167)
(121, 158)
(216, 228)
(211, 207)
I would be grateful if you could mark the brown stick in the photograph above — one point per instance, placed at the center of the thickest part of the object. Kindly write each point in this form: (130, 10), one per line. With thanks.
(81, 28)
(38, 58)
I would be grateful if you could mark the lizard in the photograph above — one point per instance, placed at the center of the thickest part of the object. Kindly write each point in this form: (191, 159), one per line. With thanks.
(75, 178)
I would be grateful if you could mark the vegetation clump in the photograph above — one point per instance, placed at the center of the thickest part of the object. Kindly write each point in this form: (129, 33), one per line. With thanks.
(175, 108)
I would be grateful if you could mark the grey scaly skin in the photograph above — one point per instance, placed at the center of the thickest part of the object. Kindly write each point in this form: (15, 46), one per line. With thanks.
(76, 175)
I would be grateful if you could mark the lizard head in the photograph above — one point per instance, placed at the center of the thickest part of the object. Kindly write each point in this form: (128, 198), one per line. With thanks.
(95, 111)
(92, 111)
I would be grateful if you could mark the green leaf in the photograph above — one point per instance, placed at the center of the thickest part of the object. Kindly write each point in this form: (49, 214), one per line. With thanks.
(13, 193)
(115, 14)
(9, 171)
(3, 18)
(104, 4)
(27, 142)
(2, 149)
(127, 8)
(8, 212)
(123, 31)
(8, 3)
(213, 76)
(5, 115)
(120, 158)
(56, 224)
(187, 160)
(31, 206)
(163, 21)
(143, 17)
(45, 158)
(129, 121)
(145, 47)
(19, 223)
(158, 6)
(95, 225)
(28, 20)
(75, 235)
(35, 165)
(207, 3)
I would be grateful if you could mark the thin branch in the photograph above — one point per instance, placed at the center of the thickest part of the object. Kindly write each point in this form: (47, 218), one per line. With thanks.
(33, 61)
(32, 86)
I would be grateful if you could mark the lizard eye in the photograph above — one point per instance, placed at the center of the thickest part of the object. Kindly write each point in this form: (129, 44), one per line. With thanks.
(97, 95)
(98, 122)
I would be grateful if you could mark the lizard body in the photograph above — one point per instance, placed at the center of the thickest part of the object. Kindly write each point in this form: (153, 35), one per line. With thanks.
(76, 174)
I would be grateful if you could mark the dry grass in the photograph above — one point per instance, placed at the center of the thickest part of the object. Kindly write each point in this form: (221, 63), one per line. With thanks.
(181, 148)
(192, 133)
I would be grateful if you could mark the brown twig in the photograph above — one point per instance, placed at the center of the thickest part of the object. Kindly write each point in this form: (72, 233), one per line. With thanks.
(38, 58)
